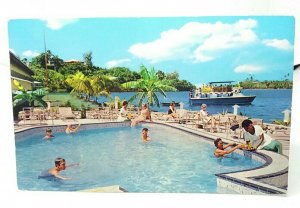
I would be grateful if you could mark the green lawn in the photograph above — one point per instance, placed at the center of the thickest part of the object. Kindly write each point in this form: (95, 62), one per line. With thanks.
(65, 99)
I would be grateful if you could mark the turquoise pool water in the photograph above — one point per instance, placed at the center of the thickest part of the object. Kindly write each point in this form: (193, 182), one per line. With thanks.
(174, 161)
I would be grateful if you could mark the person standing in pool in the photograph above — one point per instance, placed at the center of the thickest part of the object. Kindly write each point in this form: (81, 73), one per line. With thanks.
(49, 134)
(145, 136)
(60, 164)
(221, 149)
(70, 129)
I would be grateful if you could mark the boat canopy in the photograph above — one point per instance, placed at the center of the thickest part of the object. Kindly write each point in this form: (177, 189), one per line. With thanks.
(221, 82)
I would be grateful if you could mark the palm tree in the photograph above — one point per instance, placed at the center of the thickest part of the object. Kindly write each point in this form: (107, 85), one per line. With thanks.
(80, 84)
(148, 87)
(30, 96)
(90, 85)
(101, 84)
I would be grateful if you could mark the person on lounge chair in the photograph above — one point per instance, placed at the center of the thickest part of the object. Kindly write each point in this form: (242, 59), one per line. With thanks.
(206, 118)
(221, 149)
(123, 115)
(255, 135)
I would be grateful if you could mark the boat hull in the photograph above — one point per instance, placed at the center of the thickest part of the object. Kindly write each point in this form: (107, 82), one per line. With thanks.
(245, 100)
(168, 103)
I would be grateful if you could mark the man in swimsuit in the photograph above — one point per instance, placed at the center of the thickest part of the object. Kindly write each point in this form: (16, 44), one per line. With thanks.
(60, 164)
(220, 151)
(145, 135)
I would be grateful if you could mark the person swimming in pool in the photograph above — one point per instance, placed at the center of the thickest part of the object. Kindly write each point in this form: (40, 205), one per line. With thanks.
(49, 134)
(145, 136)
(60, 164)
(71, 129)
(221, 149)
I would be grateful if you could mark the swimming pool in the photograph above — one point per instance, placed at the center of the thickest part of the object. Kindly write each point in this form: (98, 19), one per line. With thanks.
(174, 161)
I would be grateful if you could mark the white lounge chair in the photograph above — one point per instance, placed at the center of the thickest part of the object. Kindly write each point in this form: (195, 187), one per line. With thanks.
(65, 113)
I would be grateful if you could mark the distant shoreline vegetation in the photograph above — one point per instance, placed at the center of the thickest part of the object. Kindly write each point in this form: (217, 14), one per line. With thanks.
(110, 79)
(100, 81)
(276, 84)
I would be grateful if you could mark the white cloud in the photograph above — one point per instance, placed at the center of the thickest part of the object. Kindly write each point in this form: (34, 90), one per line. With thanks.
(283, 44)
(196, 41)
(114, 63)
(30, 53)
(56, 24)
(248, 69)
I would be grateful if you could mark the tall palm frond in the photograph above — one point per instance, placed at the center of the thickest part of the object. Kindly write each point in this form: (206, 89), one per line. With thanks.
(148, 87)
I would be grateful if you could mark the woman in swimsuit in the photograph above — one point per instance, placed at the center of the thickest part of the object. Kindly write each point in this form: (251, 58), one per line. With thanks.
(145, 114)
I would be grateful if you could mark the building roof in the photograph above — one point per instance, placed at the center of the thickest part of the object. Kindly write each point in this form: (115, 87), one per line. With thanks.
(15, 60)
(72, 61)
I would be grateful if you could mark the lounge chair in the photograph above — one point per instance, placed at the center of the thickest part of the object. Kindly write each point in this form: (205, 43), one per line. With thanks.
(65, 113)
(27, 114)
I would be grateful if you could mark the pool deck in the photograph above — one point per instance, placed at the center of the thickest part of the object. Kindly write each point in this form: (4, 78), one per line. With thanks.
(270, 179)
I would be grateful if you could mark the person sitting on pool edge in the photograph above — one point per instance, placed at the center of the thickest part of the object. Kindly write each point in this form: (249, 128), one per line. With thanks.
(49, 134)
(255, 135)
(172, 110)
(70, 129)
(145, 135)
(144, 114)
(220, 151)
(60, 164)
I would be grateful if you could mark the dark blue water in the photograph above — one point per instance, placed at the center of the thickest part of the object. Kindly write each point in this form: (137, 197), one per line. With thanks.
(267, 105)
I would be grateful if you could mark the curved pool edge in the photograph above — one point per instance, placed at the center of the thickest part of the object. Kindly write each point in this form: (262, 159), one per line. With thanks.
(270, 178)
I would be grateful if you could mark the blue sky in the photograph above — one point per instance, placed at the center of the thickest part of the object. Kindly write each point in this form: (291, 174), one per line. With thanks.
(200, 49)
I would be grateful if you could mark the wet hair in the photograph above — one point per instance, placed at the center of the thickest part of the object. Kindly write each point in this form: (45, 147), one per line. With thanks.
(125, 103)
(48, 130)
(203, 105)
(217, 141)
(58, 161)
(246, 123)
(145, 129)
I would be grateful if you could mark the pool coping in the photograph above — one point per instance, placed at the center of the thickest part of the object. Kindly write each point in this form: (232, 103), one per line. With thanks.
(275, 165)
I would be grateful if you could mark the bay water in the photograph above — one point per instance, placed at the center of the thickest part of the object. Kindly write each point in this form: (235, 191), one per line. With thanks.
(268, 105)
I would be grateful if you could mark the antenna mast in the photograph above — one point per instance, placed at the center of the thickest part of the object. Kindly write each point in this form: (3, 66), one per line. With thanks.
(46, 61)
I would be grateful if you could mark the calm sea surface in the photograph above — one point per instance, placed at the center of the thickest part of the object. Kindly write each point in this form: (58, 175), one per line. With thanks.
(267, 105)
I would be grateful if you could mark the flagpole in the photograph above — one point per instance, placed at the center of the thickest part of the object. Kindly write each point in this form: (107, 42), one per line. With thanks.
(46, 68)
(46, 61)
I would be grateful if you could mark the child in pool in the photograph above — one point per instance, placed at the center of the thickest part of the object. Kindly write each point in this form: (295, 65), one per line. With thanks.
(145, 135)
(49, 134)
